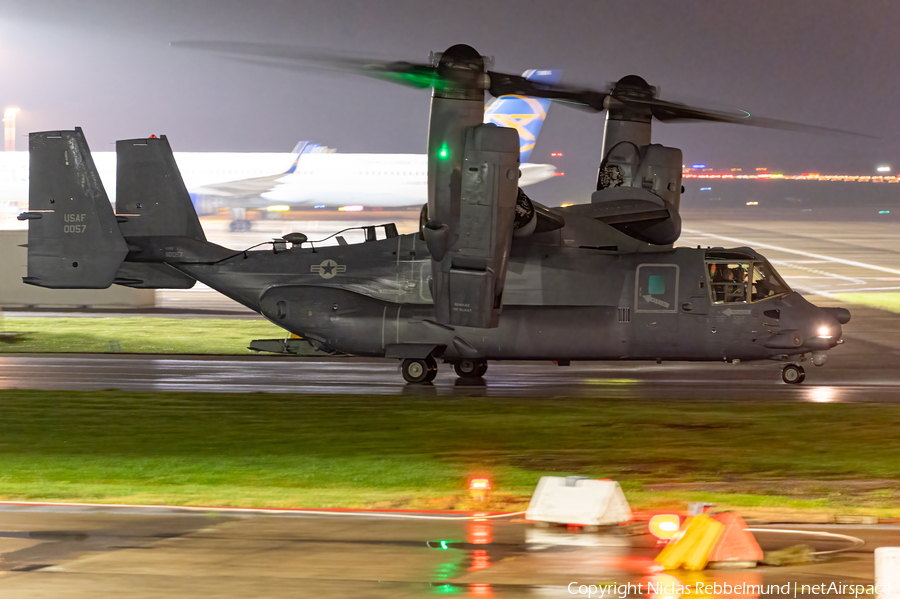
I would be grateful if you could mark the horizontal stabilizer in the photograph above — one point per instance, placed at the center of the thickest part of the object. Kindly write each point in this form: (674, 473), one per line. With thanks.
(74, 240)
(152, 275)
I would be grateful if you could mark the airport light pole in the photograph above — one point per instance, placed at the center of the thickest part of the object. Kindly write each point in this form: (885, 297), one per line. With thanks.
(9, 129)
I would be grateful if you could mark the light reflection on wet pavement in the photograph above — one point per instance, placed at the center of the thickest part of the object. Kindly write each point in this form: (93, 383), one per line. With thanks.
(836, 382)
(92, 552)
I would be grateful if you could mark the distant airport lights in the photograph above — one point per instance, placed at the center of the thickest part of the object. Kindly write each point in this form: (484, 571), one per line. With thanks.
(353, 208)
(9, 129)
(556, 154)
(883, 169)
(279, 208)
(802, 177)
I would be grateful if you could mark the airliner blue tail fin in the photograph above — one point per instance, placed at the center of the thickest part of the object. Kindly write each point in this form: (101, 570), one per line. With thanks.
(524, 114)
(305, 147)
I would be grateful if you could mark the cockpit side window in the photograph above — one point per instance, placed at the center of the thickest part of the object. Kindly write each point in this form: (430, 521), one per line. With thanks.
(766, 283)
(728, 280)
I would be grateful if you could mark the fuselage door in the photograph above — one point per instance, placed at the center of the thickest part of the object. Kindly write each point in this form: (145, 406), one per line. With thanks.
(656, 308)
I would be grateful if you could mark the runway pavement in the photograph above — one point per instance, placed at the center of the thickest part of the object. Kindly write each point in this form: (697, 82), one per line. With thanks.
(75, 553)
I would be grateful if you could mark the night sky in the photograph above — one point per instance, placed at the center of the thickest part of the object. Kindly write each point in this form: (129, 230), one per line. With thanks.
(106, 65)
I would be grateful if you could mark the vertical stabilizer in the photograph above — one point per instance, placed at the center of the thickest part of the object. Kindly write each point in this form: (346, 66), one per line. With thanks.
(73, 237)
(151, 193)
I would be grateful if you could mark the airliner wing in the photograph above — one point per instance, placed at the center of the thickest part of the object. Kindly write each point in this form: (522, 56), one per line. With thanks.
(249, 188)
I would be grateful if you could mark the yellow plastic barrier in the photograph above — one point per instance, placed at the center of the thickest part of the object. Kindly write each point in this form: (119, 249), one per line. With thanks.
(692, 550)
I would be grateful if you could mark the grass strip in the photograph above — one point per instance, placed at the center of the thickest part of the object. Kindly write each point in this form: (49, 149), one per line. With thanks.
(356, 451)
(873, 299)
(137, 335)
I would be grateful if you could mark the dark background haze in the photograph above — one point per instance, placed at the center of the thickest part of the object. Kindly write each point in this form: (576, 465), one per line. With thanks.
(106, 65)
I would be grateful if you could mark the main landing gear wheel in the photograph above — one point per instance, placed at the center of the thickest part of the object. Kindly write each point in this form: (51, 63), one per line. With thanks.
(793, 374)
(470, 369)
(417, 370)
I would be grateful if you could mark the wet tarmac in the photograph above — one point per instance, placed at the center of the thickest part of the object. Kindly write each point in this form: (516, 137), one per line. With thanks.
(102, 552)
(640, 380)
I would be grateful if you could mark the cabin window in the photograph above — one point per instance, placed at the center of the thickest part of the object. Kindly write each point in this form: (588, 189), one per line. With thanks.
(656, 285)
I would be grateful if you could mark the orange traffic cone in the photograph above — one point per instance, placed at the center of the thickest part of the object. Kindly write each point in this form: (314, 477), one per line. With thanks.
(737, 547)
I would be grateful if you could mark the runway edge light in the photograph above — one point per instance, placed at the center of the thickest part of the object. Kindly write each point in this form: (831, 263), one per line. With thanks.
(479, 487)
(664, 526)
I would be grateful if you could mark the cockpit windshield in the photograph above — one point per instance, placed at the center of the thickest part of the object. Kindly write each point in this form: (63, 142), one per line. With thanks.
(766, 282)
(737, 278)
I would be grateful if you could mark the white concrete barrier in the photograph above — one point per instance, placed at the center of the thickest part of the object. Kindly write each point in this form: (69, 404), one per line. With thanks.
(16, 294)
(887, 571)
(576, 500)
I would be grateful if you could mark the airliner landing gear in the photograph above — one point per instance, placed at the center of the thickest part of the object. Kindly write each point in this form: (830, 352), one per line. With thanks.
(793, 374)
(238, 226)
(470, 369)
(417, 370)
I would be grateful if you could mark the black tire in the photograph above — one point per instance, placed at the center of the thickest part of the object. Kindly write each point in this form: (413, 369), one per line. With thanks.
(431, 364)
(469, 369)
(415, 370)
(792, 374)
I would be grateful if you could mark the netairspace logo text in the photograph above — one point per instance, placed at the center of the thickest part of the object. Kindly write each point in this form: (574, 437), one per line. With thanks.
(668, 588)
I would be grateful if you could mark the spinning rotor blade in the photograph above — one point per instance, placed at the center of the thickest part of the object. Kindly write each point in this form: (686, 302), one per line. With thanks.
(299, 58)
(502, 84)
(629, 93)
(674, 112)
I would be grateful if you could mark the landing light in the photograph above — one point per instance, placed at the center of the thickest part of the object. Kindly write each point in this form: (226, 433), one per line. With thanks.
(824, 332)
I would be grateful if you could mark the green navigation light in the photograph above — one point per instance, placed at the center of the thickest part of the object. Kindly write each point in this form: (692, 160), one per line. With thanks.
(444, 152)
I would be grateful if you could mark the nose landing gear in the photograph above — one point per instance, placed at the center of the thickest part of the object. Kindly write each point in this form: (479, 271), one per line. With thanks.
(793, 374)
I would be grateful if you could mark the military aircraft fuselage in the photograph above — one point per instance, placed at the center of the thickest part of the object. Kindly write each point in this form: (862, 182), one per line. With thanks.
(583, 292)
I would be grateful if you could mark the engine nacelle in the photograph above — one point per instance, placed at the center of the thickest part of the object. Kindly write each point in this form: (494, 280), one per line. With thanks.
(470, 255)
(640, 190)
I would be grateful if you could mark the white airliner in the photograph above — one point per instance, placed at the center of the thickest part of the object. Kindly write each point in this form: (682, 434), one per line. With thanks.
(312, 176)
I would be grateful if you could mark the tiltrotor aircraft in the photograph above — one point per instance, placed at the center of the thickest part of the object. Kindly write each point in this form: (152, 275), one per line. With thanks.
(491, 274)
